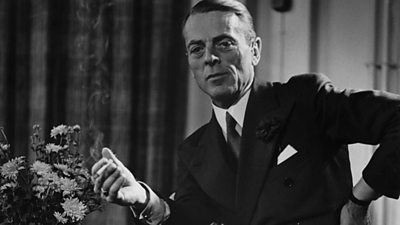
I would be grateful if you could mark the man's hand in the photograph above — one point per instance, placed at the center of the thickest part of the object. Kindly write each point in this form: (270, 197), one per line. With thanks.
(353, 214)
(356, 214)
(115, 182)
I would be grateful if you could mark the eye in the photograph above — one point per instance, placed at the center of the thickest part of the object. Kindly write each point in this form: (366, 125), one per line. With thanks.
(196, 50)
(226, 45)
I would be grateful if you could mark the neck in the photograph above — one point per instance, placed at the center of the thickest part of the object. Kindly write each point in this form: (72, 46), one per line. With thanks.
(226, 102)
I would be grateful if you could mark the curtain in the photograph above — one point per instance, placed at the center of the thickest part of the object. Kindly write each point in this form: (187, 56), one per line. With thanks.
(115, 67)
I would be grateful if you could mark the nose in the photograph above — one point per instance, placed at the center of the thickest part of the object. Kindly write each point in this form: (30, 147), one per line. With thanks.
(211, 58)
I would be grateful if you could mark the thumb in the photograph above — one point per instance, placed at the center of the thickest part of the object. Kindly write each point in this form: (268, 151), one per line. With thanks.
(130, 178)
(108, 154)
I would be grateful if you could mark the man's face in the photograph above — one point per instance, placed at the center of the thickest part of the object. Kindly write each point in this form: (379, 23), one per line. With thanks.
(220, 57)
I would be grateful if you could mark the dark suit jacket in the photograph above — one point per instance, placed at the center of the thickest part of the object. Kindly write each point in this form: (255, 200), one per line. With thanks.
(311, 187)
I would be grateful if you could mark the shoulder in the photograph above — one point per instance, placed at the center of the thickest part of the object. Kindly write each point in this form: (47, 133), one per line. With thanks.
(194, 138)
(298, 82)
(309, 80)
(306, 85)
(191, 146)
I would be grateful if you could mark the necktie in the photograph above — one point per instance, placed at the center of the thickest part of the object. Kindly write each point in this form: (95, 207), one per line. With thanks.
(233, 137)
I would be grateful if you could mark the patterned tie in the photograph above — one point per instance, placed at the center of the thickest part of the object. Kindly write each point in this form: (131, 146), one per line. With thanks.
(233, 137)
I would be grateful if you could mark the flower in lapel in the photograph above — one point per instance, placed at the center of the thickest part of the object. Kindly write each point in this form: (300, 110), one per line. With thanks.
(267, 128)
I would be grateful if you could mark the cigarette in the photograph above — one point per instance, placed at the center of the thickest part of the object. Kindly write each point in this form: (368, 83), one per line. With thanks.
(101, 170)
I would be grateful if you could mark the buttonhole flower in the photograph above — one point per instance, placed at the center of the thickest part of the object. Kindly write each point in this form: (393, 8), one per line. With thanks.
(267, 129)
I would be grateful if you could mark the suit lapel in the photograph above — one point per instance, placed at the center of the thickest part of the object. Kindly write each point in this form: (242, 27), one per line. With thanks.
(209, 167)
(206, 162)
(257, 155)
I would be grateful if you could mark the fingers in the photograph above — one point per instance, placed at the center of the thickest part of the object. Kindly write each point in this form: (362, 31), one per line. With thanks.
(98, 165)
(102, 174)
(115, 187)
(112, 178)
(103, 168)
(108, 154)
(112, 185)
(352, 214)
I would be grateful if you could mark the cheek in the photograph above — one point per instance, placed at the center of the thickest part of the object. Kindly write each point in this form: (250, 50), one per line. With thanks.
(195, 67)
(197, 72)
(235, 66)
(244, 62)
(235, 59)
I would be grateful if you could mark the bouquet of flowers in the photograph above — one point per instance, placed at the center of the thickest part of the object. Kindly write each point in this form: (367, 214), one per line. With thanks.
(54, 189)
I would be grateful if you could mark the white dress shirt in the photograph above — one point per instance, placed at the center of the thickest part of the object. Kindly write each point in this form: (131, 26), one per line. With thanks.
(237, 111)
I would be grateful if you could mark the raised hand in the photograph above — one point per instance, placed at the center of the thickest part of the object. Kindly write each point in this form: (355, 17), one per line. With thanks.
(115, 182)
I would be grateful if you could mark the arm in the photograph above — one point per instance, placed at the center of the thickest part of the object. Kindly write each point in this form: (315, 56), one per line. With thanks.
(118, 185)
(369, 117)
(364, 193)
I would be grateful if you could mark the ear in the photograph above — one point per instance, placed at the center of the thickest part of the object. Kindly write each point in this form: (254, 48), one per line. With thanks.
(256, 47)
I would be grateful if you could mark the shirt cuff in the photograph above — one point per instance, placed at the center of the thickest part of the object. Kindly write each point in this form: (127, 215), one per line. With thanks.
(155, 212)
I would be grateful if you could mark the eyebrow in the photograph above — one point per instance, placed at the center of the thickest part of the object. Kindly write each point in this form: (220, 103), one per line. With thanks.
(214, 40)
(222, 37)
(194, 42)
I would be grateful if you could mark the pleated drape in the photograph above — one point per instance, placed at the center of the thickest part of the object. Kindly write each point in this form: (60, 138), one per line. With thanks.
(116, 67)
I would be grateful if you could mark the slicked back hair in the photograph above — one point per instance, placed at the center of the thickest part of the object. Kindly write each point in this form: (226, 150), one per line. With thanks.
(234, 6)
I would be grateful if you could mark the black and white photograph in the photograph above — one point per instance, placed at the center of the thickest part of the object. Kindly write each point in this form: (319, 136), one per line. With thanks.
(199, 112)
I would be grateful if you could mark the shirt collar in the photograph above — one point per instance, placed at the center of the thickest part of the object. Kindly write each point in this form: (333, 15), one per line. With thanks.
(237, 111)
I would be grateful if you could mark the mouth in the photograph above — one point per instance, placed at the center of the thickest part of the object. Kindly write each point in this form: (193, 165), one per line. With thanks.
(215, 75)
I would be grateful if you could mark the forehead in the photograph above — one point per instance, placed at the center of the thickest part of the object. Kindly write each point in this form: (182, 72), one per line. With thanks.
(205, 26)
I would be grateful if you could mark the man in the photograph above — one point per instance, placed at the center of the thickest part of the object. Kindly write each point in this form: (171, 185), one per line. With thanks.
(272, 153)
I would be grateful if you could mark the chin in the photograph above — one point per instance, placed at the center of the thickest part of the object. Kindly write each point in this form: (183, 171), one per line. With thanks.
(226, 95)
(222, 92)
